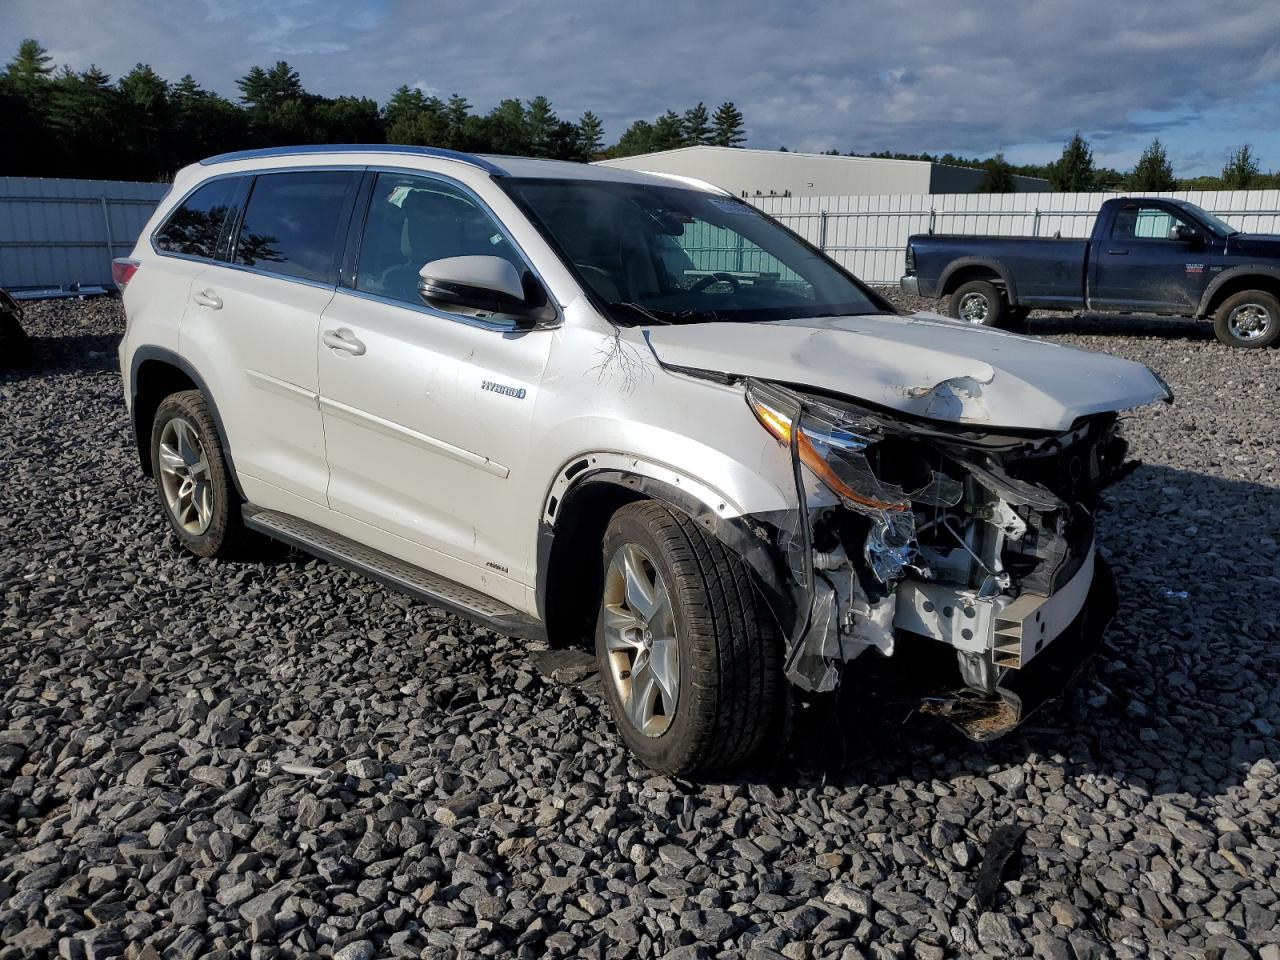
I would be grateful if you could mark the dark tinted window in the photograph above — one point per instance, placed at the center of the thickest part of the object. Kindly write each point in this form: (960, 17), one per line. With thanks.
(194, 227)
(414, 220)
(293, 224)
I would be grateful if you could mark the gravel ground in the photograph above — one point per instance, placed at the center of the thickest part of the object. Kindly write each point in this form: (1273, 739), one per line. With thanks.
(282, 759)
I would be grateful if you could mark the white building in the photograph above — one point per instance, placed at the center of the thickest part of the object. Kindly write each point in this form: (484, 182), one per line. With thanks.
(767, 173)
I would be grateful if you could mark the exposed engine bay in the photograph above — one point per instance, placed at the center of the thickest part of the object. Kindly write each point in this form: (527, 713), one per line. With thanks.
(980, 540)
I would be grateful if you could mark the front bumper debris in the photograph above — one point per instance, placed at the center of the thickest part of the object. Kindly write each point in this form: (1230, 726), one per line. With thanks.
(1019, 693)
(1012, 630)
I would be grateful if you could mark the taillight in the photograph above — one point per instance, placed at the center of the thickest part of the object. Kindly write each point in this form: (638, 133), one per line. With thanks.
(911, 259)
(122, 271)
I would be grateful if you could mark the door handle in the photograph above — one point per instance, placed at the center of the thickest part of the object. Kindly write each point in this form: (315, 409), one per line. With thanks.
(207, 298)
(344, 340)
(1118, 253)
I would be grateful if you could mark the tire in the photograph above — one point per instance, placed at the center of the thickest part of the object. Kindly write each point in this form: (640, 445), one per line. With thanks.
(1250, 318)
(980, 303)
(207, 519)
(728, 690)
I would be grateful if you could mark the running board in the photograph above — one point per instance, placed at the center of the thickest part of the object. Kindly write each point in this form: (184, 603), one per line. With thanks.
(389, 571)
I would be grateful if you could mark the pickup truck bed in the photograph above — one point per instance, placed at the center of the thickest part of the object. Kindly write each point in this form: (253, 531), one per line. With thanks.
(1144, 256)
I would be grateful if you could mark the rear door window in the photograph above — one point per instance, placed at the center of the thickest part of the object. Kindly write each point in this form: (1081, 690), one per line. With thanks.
(294, 223)
(194, 227)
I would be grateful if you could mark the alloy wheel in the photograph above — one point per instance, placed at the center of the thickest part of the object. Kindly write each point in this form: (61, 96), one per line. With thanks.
(184, 476)
(640, 640)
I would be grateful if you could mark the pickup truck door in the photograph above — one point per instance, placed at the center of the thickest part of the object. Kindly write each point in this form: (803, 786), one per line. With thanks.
(1138, 266)
(427, 414)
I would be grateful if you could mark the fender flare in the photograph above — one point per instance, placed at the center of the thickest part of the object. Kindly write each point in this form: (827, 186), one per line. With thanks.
(163, 355)
(748, 536)
(991, 264)
(1234, 273)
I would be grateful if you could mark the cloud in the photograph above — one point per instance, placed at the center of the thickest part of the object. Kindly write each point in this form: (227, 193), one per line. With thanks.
(808, 74)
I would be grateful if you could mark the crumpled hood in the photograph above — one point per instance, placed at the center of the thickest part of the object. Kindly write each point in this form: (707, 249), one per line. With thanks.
(924, 364)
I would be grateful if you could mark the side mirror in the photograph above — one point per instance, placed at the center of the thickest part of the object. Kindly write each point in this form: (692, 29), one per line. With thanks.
(484, 287)
(1183, 233)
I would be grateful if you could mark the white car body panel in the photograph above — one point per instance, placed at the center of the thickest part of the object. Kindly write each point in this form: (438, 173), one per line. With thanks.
(260, 349)
(924, 365)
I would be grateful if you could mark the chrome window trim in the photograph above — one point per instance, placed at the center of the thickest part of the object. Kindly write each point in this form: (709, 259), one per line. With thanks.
(512, 326)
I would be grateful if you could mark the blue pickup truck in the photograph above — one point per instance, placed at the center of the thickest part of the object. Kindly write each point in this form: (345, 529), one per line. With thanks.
(1146, 255)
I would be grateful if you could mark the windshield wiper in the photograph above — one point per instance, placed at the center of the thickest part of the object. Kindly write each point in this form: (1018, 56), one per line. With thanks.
(657, 316)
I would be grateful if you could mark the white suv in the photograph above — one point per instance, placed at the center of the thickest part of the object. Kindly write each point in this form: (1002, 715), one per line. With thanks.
(570, 401)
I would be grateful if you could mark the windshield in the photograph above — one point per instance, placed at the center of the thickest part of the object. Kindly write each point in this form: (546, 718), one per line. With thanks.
(1214, 223)
(657, 254)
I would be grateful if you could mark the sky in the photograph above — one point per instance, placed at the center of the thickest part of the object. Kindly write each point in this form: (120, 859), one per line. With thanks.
(913, 75)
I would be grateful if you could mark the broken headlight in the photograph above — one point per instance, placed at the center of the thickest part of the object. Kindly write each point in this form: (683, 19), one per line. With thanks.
(827, 445)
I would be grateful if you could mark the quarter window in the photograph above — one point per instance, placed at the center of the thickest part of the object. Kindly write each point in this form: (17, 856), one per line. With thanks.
(414, 220)
(294, 224)
(196, 224)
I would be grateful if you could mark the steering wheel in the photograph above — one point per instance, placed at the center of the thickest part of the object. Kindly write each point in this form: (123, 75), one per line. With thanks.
(711, 278)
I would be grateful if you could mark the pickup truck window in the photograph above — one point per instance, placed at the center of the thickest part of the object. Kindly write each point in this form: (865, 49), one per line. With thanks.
(1137, 222)
(674, 255)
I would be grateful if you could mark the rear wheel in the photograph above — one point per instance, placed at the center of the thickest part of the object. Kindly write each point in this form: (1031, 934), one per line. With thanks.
(192, 478)
(980, 303)
(689, 656)
(1248, 319)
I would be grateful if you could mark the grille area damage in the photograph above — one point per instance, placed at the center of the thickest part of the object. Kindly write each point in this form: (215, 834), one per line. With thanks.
(979, 540)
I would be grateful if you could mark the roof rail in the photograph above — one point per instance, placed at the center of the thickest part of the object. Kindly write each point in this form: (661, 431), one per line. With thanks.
(397, 148)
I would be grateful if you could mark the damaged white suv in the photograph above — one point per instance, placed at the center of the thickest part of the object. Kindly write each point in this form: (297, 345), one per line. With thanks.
(570, 401)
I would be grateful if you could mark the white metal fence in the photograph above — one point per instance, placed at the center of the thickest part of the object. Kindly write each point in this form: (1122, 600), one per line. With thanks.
(58, 233)
(868, 234)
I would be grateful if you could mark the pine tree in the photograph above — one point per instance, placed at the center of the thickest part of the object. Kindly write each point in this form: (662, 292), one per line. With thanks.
(1241, 169)
(457, 115)
(590, 136)
(997, 176)
(1153, 172)
(148, 116)
(727, 129)
(636, 139)
(668, 132)
(30, 68)
(1073, 172)
(270, 88)
(541, 124)
(697, 125)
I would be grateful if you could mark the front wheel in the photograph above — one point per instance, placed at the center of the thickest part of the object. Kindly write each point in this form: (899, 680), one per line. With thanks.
(1248, 319)
(689, 656)
(980, 303)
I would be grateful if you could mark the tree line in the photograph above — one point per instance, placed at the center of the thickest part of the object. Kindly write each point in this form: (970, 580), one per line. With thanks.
(1076, 172)
(64, 123)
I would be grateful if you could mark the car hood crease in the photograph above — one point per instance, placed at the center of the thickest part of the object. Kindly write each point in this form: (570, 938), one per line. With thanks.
(923, 365)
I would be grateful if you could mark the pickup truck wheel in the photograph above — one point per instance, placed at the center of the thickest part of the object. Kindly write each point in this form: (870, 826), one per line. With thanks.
(192, 478)
(1248, 319)
(980, 303)
(689, 656)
